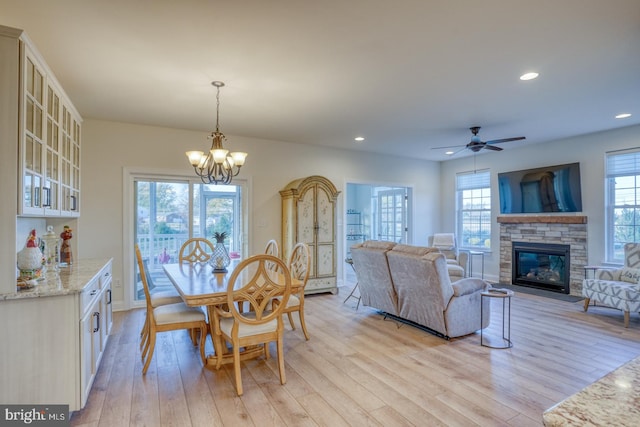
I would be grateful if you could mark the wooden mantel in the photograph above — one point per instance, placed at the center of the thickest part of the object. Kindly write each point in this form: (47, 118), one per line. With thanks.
(546, 219)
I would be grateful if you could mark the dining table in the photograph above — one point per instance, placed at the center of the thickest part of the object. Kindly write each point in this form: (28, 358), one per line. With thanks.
(200, 285)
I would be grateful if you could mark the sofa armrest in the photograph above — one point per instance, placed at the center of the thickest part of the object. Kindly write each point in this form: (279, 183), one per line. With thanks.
(463, 261)
(468, 286)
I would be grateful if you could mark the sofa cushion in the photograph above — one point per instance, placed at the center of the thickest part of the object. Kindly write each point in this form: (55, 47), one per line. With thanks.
(607, 274)
(622, 295)
(378, 244)
(414, 250)
(630, 275)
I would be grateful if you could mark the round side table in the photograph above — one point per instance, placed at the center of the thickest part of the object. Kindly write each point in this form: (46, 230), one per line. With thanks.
(504, 295)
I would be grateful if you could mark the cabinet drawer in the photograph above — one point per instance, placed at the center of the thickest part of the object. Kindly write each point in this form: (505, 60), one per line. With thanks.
(89, 293)
(105, 276)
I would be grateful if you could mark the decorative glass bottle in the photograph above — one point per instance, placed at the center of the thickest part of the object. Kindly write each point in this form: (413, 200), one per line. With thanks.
(220, 257)
(51, 248)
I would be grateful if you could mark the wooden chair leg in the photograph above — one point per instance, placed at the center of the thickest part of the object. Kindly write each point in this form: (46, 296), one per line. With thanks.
(145, 350)
(152, 344)
(203, 342)
(304, 325)
(293, 326)
(586, 303)
(267, 353)
(626, 319)
(280, 347)
(236, 369)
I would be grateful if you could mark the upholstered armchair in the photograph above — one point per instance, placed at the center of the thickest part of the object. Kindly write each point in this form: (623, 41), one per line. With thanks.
(457, 261)
(618, 288)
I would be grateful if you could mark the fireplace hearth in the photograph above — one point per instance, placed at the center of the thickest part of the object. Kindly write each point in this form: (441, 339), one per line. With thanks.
(541, 265)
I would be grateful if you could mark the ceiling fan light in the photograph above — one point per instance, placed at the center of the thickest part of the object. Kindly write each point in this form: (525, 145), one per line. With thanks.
(529, 76)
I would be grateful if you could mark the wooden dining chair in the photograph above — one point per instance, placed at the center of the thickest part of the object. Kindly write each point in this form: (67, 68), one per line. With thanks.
(299, 267)
(252, 282)
(169, 317)
(158, 298)
(195, 249)
(272, 249)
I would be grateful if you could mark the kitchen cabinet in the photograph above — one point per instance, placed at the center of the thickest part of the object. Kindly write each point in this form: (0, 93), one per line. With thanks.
(48, 133)
(56, 336)
(95, 326)
(309, 216)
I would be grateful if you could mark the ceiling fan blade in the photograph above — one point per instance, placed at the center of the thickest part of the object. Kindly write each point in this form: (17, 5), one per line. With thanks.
(448, 146)
(498, 141)
(458, 150)
(493, 148)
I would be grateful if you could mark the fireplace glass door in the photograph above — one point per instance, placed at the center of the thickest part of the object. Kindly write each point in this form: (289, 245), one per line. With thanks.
(543, 266)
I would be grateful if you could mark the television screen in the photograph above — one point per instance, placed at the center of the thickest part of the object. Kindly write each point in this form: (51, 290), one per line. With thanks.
(547, 189)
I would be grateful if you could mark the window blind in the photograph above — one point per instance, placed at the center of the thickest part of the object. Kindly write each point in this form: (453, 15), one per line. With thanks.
(623, 163)
(473, 180)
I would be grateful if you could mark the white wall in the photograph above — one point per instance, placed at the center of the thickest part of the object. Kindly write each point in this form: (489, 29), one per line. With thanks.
(589, 150)
(108, 147)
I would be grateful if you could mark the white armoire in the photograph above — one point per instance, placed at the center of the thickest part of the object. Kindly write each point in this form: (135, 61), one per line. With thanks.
(309, 216)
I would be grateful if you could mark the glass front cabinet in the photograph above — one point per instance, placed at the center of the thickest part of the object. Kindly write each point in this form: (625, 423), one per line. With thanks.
(49, 148)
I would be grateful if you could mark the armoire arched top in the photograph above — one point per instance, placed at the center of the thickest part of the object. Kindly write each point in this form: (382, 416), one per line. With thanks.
(297, 186)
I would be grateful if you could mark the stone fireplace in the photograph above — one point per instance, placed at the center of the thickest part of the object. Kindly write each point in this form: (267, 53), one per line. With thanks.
(533, 233)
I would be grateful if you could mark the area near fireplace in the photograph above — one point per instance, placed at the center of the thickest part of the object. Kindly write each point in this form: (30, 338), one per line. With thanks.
(536, 231)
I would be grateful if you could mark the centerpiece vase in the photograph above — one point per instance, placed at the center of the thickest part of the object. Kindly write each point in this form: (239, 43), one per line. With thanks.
(220, 259)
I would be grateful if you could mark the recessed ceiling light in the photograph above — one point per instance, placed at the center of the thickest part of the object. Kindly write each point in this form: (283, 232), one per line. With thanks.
(359, 138)
(529, 76)
(623, 115)
(449, 152)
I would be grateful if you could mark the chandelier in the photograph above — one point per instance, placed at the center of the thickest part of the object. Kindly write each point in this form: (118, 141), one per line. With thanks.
(218, 166)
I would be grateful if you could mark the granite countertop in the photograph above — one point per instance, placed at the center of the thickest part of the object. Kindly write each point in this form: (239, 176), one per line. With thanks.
(73, 279)
(610, 401)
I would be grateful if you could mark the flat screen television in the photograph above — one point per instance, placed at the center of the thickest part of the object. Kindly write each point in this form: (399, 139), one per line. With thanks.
(541, 190)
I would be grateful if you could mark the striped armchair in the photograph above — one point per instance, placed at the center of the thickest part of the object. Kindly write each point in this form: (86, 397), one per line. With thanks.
(618, 288)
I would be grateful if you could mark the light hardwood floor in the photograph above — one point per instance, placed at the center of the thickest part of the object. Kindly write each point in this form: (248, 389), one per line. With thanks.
(358, 369)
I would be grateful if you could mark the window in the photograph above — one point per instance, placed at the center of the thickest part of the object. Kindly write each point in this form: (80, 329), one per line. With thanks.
(392, 214)
(473, 205)
(622, 195)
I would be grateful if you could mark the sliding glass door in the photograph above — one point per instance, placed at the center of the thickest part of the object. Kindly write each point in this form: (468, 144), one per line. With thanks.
(168, 211)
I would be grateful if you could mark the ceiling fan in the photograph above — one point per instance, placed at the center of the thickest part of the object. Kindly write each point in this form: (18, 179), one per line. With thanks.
(476, 144)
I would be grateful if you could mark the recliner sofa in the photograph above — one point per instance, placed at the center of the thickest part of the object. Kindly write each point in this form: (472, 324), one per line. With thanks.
(413, 284)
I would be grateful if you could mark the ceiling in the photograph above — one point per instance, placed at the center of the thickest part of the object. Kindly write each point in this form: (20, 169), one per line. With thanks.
(407, 75)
